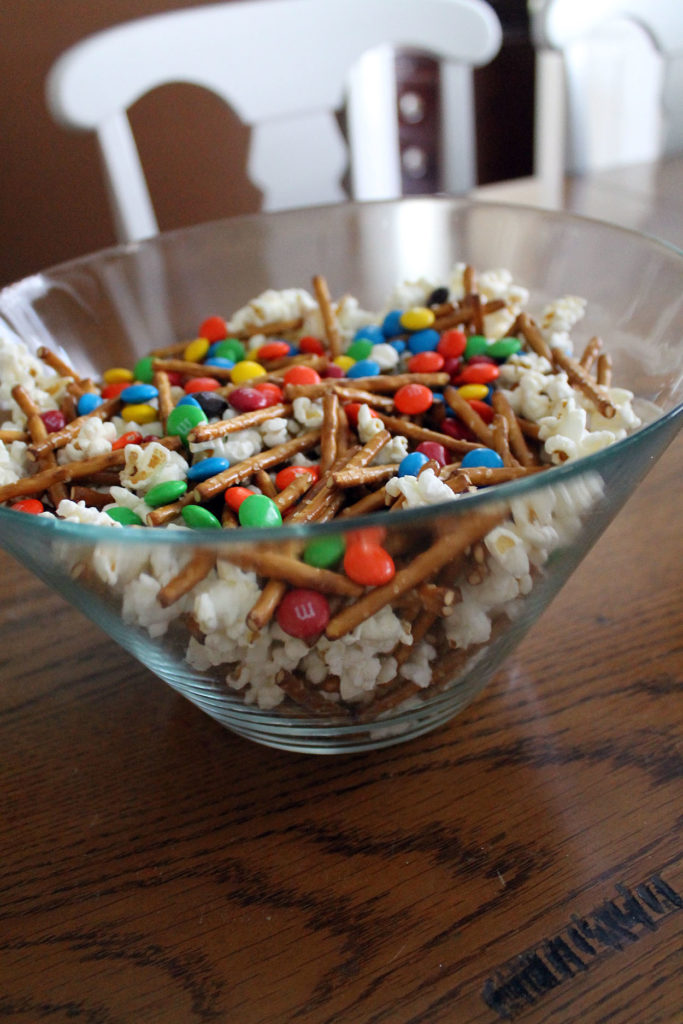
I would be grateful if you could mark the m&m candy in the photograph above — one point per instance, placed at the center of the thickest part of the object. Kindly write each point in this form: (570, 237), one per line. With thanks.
(303, 613)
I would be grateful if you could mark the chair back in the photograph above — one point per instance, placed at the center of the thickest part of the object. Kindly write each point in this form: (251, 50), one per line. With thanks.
(285, 68)
(622, 75)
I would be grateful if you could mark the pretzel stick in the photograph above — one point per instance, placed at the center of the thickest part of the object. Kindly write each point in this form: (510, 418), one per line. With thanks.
(14, 435)
(477, 314)
(373, 399)
(39, 432)
(265, 484)
(604, 372)
(372, 502)
(418, 433)
(229, 520)
(468, 415)
(263, 460)
(501, 439)
(84, 386)
(91, 496)
(165, 513)
(61, 474)
(590, 353)
(392, 382)
(274, 327)
(211, 431)
(345, 437)
(518, 445)
(364, 476)
(165, 403)
(197, 569)
(469, 281)
(581, 380)
(533, 336)
(189, 369)
(462, 313)
(60, 438)
(487, 476)
(346, 394)
(437, 599)
(328, 435)
(289, 495)
(528, 428)
(67, 407)
(57, 363)
(370, 449)
(306, 696)
(423, 566)
(290, 570)
(330, 325)
(325, 499)
(265, 606)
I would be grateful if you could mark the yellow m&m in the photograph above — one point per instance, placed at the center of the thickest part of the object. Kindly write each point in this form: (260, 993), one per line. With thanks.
(417, 319)
(196, 350)
(468, 391)
(142, 413)
(344, 362)
(245, 370)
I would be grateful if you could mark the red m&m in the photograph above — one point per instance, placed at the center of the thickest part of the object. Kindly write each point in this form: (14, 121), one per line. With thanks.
(303, 613)
(426, 362)
(452, 343)
(369, 565)
(214, 328)
(301, 374)
(413, 399)
(30, 505)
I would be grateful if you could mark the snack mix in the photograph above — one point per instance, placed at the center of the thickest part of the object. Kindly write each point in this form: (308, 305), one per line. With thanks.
(300, 409)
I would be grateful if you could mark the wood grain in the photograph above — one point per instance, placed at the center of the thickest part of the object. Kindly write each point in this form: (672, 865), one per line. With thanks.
(157, 868)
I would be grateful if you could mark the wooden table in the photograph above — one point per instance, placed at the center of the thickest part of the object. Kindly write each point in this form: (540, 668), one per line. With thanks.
(523, 860)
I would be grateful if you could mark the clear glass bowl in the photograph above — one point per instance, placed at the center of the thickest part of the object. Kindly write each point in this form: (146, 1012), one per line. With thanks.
(113, 307)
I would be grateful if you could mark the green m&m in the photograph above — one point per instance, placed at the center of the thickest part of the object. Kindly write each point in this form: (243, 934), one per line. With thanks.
(229, 348)
(259, 510)
(324, 552)
(476, 345)
(503, 347)
(125, 516)
(166, 493)
(183, 419)
(199, 518)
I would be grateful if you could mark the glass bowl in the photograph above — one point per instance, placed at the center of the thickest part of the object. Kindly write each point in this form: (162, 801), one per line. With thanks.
(390, 664)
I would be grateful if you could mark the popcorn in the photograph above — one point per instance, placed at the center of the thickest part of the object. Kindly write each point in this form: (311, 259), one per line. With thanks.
(422, 490)
(388, 613)
(14, 463)
(94, 438)
(146, 467)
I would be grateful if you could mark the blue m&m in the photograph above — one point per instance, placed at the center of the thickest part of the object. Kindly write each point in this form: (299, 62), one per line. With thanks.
(482, 457)
(412, 464)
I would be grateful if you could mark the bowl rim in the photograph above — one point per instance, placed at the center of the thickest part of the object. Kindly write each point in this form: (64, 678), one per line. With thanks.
(180, 535)
(164, 238)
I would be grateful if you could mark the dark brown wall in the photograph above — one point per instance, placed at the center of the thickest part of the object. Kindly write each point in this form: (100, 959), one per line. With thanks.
(52, 201)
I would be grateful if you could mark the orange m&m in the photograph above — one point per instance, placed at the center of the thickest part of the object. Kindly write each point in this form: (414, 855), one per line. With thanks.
(413, 399)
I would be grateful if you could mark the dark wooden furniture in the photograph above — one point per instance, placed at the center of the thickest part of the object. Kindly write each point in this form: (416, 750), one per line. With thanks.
(522, 860)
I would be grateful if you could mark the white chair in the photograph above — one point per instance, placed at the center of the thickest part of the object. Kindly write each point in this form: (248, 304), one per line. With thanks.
(285, 67)
(610, 76)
